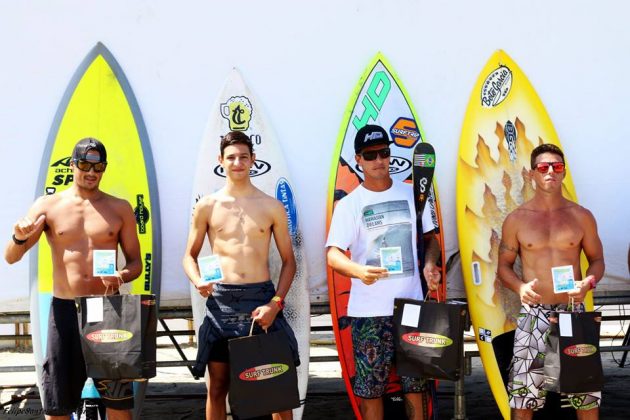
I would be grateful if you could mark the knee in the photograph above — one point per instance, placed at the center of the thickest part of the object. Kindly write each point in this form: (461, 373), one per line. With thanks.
(218, 390)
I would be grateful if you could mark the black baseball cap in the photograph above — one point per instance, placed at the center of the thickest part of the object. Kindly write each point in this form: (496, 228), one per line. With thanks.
(369, 135)
(82, 148)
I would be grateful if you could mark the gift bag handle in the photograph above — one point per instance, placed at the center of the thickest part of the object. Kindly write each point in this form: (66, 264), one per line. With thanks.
(251, 328)
(120, 283)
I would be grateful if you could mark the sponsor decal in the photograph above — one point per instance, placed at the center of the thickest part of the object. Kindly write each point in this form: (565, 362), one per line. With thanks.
(147, 272)
(509, 131)
(142, 214)
(476, 273)
(109, 336)
(61, 173)
(260, 167)
(262, 372)
(424, 160)
(421, 339)
(404, 132)
(496, 87)
(238, 111)
(373, 99)
(580, 350)
(397, 164)
(485, 335)
(284, 194)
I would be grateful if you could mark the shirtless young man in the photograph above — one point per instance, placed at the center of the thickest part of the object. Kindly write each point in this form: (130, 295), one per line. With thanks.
(239, 221)
(547, 231)
(76, 222)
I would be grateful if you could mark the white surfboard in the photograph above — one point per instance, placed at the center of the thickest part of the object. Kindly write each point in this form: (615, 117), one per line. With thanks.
(237, 109)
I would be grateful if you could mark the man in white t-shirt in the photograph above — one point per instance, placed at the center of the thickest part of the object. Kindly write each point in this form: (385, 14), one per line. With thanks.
(379, 214)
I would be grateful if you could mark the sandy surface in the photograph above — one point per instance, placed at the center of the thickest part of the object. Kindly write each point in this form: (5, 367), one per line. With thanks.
(174, 394)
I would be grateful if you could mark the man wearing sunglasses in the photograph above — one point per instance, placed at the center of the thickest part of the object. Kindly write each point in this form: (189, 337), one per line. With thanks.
(76, 222)
(379, 214)
(546, 231)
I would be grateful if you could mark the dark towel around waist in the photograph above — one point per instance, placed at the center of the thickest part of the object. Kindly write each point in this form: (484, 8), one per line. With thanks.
(229, 315)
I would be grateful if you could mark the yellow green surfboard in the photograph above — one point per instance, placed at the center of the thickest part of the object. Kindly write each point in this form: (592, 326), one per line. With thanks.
(99, 103)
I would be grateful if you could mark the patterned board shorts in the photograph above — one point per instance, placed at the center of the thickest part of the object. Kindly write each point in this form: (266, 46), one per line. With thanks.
(527, 368)
(373, 343)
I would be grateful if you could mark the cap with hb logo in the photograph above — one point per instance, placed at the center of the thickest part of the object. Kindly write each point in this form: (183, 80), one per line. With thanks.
(370, 135)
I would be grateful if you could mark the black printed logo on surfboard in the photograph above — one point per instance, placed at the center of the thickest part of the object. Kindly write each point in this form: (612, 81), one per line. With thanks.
(496, 87)
(260, 167)
(142, 214)
(397, 164)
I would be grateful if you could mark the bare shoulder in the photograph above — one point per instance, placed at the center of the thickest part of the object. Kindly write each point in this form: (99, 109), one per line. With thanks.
(583, 214)
(120, 205)
(518, 215)
(273, 204)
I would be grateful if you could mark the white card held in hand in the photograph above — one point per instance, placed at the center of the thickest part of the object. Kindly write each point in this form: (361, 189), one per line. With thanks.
(104, 262)
(391, 259)
(410, 315)
(94, 309)
(563, 279)
(210, 268)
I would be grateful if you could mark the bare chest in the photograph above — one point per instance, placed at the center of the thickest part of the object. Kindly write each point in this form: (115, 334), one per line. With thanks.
(71, 223)
(241, 221)
(558, 230)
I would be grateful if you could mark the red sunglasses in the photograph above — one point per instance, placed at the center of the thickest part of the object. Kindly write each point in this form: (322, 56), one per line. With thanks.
(543, 167)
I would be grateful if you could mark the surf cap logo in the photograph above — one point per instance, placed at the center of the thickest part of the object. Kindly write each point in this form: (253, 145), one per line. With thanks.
(260, 167)
(262, 372)
(496, 87)
(421, 339)
(109, 336)
(284, 194)
(404, 132)
(142, 214)
(580, 350)
(397, 164)
(238, 111)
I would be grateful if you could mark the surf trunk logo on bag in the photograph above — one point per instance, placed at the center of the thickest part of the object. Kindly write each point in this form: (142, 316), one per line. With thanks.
(262, 372)
(109, 336)
(421, 339)
(496, 87)
(580, 350)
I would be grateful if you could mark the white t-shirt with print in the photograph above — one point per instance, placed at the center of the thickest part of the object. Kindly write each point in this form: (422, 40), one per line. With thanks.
(364, 222)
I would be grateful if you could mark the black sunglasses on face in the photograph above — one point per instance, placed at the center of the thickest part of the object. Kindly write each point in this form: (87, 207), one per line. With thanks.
(86, 165)
(371, 155)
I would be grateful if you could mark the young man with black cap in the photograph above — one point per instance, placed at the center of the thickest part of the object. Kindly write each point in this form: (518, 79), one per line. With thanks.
(379, 214)
(76, 222)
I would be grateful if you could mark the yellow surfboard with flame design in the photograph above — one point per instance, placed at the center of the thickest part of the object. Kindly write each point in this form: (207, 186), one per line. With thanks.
(505, 120)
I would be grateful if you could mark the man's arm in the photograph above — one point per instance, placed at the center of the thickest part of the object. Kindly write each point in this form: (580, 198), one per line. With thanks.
(431, 271)
(266, 314)
(594, 252)
(340, 262)
(196, 235)
(27, 229)
(508, 251)
(130, 246)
